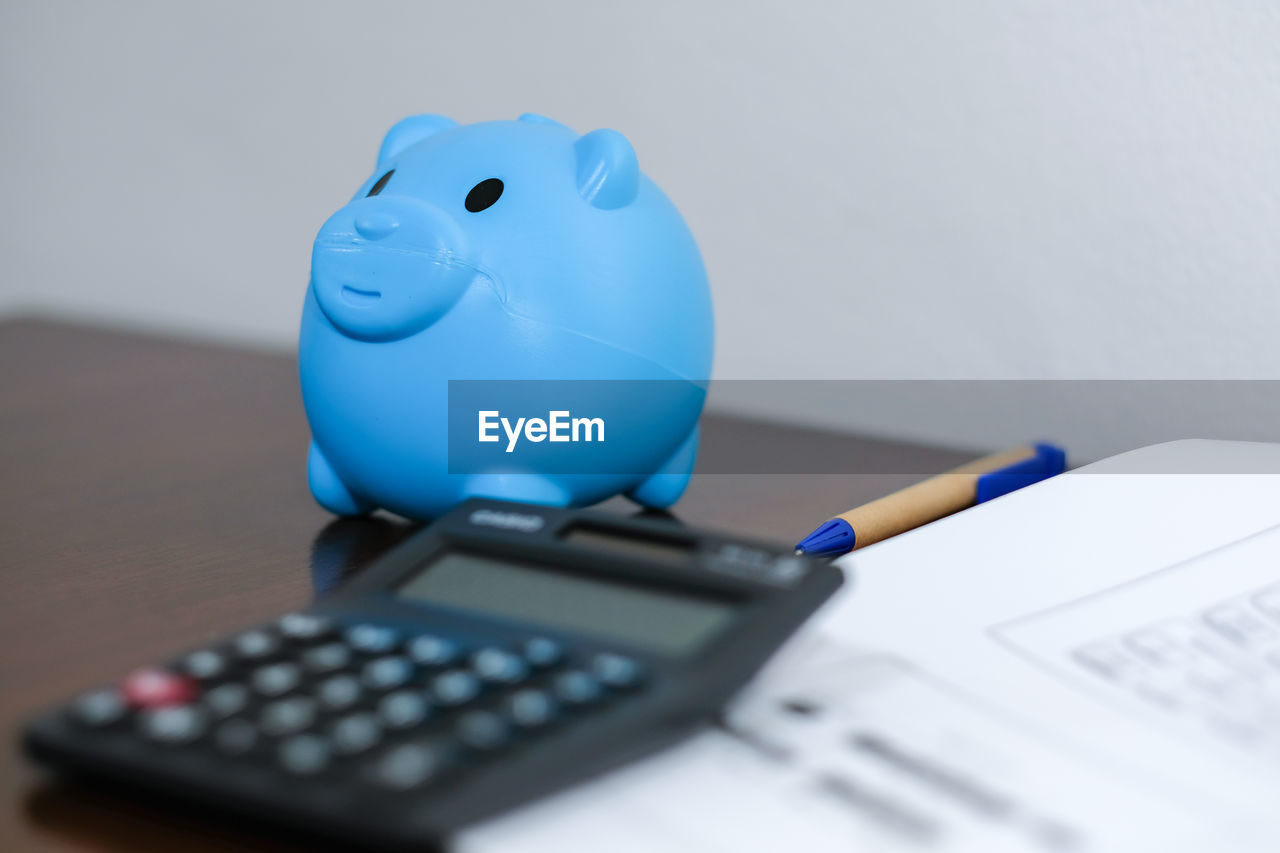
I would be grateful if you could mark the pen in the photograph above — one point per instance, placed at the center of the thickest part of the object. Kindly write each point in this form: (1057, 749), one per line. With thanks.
(972, 483)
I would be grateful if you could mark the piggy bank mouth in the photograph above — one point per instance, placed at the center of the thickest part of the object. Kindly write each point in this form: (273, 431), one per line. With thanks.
(357, 298)
(384, 294)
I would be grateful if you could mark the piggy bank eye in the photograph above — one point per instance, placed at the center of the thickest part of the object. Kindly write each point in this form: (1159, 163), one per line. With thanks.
(484, 194)
(382, 182)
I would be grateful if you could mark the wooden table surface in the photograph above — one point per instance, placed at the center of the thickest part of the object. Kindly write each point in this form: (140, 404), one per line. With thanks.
(154, 497)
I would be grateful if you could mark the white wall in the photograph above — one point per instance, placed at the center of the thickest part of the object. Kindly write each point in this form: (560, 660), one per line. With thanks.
(981, 189)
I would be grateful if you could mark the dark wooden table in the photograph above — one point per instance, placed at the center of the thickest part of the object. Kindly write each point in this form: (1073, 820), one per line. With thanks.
(154, 496)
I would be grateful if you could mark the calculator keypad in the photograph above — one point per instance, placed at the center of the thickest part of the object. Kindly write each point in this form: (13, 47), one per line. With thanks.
(276, 679)
(403, 709)
(306, 695)
(181, 724)
(499, 666)
(100, 708)
(430, 650)
(255, 645)
(329, 657)
(153, 687)
(205, 664)
(227, 699)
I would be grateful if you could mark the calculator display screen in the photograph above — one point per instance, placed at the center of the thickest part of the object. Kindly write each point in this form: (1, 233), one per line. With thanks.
(664, 622)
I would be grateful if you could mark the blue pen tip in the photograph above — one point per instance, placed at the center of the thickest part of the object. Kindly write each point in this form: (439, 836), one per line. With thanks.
(831, 539)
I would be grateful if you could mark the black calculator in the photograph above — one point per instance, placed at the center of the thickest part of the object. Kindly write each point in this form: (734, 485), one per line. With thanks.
(505, 652)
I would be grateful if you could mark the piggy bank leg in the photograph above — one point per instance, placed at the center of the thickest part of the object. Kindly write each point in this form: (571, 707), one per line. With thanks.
(667, 485)
(529, 488)
(328, 490)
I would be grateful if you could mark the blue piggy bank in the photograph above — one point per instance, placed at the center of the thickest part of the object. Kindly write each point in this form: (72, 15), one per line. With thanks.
(503, 254)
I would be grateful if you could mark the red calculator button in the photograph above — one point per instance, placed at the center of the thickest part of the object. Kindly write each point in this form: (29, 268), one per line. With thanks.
(158, 688)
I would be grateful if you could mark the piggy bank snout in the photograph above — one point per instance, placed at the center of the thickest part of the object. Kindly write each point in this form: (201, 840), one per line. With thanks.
(385, 268)
(376, 224)
(406, 224)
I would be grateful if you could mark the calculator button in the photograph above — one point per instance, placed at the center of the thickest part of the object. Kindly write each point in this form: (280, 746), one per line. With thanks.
(429, 650)
(456, 687)
(100, 708)
(276, 679)
(227, 699)
(372, 639)
(158, 688)
(576, 687)
(236, 737)
(304, 626)
(339, 692)
(387, 673)
(255, 645)
(499, 666)
(304, 755)
(403, 709)
(531, 708)
(483, 730)
(355, 733)
(616, 671)
(173, 725)
(409, 766)
(205, 664)
(542, 652)
(286, 716)
(327, 658)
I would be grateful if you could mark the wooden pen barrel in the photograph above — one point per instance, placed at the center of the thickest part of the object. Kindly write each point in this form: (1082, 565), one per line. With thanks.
(926, 501)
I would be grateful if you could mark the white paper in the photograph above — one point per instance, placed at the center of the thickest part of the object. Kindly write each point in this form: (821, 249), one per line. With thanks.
(1089, 664)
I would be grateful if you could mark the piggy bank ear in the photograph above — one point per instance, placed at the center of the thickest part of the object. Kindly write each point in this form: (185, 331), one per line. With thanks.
(408, 131)
(608, 172)
(534, 118)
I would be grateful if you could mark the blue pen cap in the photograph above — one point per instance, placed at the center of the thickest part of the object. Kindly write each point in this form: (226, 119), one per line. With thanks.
(1049, 461)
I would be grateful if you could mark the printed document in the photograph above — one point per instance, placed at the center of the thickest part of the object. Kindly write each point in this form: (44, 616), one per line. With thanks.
(1090, 664)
